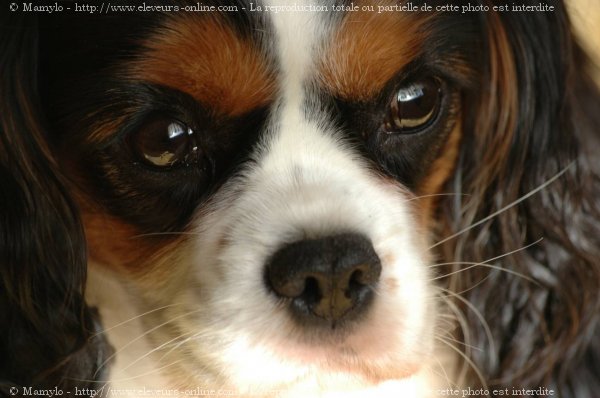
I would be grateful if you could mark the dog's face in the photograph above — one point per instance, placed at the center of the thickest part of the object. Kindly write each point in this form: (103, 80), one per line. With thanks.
(285, 202)
(268, 180)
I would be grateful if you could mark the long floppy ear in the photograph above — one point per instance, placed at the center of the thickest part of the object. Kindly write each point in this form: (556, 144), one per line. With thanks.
(528, 169)
(46, 334)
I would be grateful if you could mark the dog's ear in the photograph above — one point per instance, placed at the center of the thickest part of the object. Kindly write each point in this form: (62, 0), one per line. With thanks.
(46, 334)
(531, 136)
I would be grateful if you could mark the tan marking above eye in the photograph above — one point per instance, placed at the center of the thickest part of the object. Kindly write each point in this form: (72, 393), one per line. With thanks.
(368, 50)
(205, 58)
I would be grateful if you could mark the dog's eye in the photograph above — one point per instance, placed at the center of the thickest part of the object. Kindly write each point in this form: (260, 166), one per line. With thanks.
(164, 142)
(414, 106)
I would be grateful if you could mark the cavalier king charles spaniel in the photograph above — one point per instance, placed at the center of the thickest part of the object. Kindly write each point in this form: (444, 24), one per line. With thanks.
(283, 199)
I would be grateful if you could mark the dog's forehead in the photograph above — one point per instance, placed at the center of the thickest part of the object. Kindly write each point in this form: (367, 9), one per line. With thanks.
(211, 59)
(234, 64)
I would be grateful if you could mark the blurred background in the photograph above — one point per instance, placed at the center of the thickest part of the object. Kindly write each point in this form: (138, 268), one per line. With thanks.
(586, 18)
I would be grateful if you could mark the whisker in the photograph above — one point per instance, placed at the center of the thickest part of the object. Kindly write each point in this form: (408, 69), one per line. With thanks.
(485, 265)
(454, 341)
(512, 204)
(149, 372)
(469, 361)
(156, 349)
(462, 322)
(492, 266)
(493, 258)
(134, 318)
(475, 285)
(482, 320)
(184, 341)
(142, 335)
(436, 194)
(444, 374)
(457, 317)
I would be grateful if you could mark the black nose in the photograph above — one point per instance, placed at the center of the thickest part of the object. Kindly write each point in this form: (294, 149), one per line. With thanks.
(328, 280)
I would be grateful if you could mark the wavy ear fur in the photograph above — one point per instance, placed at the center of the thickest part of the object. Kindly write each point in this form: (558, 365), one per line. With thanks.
(46, 338)
(535, 117)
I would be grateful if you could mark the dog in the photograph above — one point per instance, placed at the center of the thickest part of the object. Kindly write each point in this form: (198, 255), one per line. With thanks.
(288, 199)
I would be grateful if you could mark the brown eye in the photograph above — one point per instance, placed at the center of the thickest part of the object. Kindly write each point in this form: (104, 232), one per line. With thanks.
(164, 142)
(414, 106)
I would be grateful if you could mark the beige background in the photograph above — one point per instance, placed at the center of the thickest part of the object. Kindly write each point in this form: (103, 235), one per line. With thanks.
(586, 19)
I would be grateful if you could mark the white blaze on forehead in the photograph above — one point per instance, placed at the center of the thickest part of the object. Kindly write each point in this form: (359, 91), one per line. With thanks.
(298, 36)
(297, 142)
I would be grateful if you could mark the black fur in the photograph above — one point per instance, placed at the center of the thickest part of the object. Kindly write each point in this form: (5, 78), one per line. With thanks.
(47, 335)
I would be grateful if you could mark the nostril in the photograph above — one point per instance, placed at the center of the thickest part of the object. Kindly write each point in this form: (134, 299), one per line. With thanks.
(311, 287)
(329, 278)
(312, 293)
(356, 276)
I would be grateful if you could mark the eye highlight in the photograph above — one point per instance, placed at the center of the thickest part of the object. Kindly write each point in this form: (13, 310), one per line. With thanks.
(165, 143)
(414, 106)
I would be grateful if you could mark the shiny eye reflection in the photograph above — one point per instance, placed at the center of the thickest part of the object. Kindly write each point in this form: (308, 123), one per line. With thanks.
(175, 129)
(163, 142)
(414, 106)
